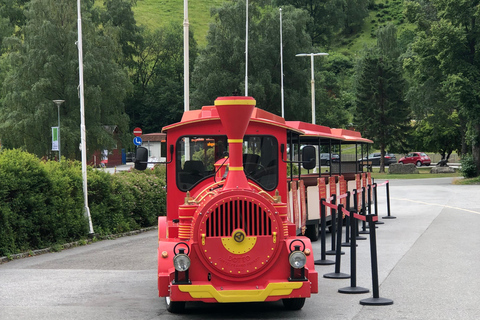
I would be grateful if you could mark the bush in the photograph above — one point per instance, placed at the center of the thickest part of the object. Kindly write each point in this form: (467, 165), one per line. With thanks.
(469, 168)
(42, 203)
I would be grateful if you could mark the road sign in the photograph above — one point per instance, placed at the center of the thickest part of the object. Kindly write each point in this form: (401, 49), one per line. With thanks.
(137, 141)
(137, 132)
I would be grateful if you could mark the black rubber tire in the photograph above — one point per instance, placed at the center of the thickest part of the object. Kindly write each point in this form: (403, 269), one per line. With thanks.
(175, 306)
(312, 232)
(419, 164)
(294, 303)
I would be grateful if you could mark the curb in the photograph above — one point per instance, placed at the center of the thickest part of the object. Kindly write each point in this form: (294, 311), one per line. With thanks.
(74, 244)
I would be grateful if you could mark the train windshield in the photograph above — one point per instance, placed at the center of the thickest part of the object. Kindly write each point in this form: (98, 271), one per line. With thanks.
(260, 160)
(196, 156)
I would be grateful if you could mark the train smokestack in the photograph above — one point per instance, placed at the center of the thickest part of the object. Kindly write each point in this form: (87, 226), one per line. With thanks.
(235, 113)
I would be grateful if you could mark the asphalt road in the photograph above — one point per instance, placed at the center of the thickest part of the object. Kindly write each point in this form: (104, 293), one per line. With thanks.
(428, 260)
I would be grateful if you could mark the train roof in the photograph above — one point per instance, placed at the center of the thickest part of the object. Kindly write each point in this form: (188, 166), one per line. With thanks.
(209, 113)
(314, 130)
(304, 129)
(351, 136)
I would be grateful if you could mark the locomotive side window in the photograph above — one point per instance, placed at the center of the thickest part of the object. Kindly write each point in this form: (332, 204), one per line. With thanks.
(195, 158)
(260, 160)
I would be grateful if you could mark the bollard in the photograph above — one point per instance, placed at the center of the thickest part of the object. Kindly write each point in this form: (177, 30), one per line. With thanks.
(353, 289)
(376, 300)
(337, 274)
(388, 216)
(323, 260)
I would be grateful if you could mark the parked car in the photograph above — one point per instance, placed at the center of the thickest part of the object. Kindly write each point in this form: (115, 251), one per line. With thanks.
(375, 158)
(417, 158)
(325, 158)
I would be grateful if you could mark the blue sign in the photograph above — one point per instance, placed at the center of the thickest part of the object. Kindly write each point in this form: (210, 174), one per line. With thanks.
(137, 141)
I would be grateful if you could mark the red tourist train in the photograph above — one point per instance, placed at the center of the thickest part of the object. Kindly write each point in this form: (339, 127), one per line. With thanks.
(229, 234)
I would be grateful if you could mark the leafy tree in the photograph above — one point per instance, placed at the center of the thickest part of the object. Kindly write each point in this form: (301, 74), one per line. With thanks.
(219, 69)
(157, 76)
(119, 21)
(381, 111)
(330, 17)
(444, 61)
(45, 67)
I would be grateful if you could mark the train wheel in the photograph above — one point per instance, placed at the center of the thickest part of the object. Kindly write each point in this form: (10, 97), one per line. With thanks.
(313, 232)
(294, 303)
(175, 306)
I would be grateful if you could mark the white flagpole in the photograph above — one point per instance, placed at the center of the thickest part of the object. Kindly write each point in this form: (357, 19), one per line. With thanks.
(246, 49)
(281, 65)
(82, 119)
(186, 57)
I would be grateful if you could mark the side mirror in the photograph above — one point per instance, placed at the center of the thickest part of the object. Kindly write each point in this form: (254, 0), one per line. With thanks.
(309, 159)
(141, 158)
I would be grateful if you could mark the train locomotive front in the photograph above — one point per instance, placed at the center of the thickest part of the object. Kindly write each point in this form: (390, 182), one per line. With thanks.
(227, 239)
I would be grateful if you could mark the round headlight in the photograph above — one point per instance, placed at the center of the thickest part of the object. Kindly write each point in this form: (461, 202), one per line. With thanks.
(297, 259)
(181, 262)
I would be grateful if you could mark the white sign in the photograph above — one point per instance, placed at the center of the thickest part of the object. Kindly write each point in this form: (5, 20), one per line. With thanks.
(54, 138)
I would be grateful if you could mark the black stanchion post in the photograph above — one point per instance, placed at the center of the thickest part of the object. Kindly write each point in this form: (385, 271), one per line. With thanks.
(388, 216)
(375, 300)
(337, 274)
(347, 242)
(353, 262)
(375, 203)
(355, 203)
(335, 226)
(364, 209)
(323, 260)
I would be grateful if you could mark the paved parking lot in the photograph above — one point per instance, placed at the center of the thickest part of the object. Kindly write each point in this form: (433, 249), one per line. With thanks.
(428, 260)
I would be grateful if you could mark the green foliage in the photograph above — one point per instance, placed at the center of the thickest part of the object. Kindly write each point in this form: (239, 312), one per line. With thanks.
(469, 168)
(41, 203)
(44, 66)
(382, 113)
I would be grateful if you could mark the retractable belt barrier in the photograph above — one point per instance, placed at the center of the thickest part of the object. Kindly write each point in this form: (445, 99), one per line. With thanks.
(359, 213)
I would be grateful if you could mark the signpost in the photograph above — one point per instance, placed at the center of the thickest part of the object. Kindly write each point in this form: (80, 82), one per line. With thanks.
(137, 141)
(137, 132)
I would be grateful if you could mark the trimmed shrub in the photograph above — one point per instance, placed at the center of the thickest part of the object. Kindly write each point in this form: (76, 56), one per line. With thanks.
(42, 203)
(469, 168)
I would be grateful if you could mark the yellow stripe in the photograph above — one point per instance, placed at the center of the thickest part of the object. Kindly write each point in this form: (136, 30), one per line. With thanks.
(235, 140)
(235, 168)
(250, 102)
(272, 289)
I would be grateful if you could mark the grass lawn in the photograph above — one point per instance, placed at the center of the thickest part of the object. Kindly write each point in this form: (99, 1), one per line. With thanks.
(154, 14)
(424, 173)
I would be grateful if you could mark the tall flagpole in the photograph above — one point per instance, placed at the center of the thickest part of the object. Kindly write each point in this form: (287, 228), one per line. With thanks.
(246, 49)
(186, 57)
(281, 65)
(83, 138)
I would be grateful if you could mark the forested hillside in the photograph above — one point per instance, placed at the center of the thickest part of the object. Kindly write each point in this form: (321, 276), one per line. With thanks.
(405, 73)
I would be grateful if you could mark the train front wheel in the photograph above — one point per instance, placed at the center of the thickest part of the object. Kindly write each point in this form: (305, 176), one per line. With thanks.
(174, 306)
(294, 303)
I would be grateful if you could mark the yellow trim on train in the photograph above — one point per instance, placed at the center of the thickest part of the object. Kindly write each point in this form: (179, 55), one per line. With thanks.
(225, 296)
(235, 168)
(235, 102)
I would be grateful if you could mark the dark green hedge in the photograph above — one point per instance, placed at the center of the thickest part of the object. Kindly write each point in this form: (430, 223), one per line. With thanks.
(41, 203)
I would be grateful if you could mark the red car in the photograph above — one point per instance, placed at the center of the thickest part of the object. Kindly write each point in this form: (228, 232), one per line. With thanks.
(417, 158)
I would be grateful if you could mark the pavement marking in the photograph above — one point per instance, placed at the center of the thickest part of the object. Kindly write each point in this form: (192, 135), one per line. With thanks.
(438, 205)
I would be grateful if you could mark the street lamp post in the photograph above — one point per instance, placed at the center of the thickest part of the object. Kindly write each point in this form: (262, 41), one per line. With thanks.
(59, 103)
(311, 55)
